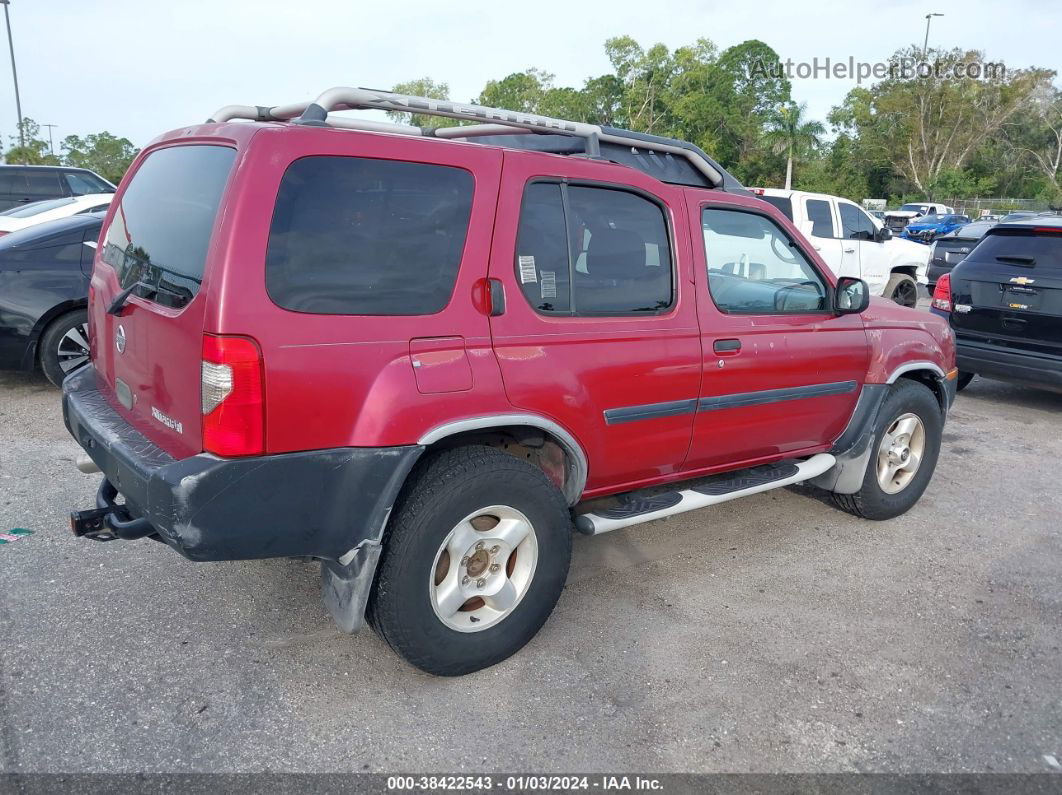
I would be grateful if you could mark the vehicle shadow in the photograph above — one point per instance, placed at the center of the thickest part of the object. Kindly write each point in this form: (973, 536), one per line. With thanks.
(984, 391)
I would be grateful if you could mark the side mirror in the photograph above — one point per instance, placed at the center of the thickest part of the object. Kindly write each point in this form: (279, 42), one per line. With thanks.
(883, 234)
(851, 296)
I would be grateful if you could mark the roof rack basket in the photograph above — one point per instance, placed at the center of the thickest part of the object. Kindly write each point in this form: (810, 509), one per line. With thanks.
(670, 159)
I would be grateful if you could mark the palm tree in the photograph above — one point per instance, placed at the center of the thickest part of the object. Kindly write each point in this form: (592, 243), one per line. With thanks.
(791, 133)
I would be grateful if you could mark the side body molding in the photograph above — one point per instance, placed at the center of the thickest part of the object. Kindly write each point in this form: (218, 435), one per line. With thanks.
(575, 481)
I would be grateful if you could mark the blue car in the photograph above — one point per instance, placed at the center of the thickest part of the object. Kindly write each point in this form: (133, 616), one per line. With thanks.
(928, 227)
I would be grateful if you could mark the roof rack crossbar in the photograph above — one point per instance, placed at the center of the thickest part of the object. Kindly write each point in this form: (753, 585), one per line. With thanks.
(491, 121)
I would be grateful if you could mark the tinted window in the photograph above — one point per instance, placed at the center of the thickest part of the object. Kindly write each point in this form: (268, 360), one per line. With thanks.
(81, 183)
(593, 251)
(356, 236)
(542, 265)
(821, 218)
(12, 180)
(855, 223)
(754, 268)
(1042, 252)
(43, 184)
(782, 203)
(161, 231)
(914, 208)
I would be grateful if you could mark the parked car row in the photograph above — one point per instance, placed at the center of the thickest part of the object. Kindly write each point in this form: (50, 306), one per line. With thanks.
(854, 243)
(424, 363)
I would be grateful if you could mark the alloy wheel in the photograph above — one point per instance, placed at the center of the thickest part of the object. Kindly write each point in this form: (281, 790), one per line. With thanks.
(483, 568)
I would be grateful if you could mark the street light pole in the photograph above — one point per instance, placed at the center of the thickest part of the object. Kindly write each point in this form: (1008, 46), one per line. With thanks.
(14, 76)
(925, 46)
(51, 144)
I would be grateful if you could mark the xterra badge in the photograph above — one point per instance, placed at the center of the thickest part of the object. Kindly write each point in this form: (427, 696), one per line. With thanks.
(169, 422)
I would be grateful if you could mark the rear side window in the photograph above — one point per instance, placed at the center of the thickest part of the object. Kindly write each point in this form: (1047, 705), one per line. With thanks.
(159, 235)
(359, 236)
(782, 203)
(43, 184)
(592, 251)
(856, 223)
(81, 183)
(1041, 251)
(821, 218)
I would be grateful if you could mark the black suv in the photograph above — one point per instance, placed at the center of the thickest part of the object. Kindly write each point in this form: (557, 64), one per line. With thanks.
(24, 184)
(1005, 304)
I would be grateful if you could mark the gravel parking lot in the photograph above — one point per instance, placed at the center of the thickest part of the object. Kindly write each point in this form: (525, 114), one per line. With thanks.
(769, 634)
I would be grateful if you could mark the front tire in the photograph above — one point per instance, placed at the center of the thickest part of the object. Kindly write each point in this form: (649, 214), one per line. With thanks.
(474, 560)
(902, 289)
(64, 345)
(903, 454)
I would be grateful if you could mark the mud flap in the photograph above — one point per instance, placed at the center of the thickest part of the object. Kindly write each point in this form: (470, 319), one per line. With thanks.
(345, 588)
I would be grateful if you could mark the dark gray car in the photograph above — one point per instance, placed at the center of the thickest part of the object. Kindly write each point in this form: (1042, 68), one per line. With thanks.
(950, 249)
(24, 184)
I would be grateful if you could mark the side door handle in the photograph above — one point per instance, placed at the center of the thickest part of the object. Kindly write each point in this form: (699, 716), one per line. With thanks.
(849, 251)
(727, 346)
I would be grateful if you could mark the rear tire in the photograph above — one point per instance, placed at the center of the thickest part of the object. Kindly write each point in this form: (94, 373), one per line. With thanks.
(963, 381)
(434, 601)
(908, 427)
(902, 289)
(63, 347)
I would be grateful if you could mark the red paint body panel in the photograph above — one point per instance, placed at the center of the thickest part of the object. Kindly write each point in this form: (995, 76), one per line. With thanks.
(573, 369)
(341, 380)
(777, 352)
(899, 336)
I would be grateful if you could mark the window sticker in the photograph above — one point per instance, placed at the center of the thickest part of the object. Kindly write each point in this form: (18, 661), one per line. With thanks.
(549, 284)
(528, 273)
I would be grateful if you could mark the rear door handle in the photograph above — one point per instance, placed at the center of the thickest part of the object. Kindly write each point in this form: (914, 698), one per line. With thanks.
(849, 251)
(727, 346)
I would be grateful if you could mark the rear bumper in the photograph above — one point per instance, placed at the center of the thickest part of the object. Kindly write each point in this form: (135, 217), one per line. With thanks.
(320, 504)
(1007, 364)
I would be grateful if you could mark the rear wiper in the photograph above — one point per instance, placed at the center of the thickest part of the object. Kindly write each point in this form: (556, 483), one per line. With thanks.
(1017, 260)
(119, 300)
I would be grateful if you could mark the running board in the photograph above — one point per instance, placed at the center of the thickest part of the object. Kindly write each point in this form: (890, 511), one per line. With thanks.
(721, 488)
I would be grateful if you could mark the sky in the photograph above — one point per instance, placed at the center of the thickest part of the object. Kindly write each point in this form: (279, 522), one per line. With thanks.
(137, 68)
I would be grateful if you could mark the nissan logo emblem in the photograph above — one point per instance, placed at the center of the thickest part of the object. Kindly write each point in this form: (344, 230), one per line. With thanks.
(119, 339)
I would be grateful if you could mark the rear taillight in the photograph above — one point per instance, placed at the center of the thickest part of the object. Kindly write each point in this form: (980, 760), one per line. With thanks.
(232, 396)
(942, 293)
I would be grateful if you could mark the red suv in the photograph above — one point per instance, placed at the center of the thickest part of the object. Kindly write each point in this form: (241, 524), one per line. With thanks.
(422, 355)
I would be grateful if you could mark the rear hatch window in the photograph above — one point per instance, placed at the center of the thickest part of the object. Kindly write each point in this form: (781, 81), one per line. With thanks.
(361, 236)
(159, 234)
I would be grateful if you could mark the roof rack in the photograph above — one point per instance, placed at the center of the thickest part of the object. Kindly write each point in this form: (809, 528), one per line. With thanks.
(669, 159)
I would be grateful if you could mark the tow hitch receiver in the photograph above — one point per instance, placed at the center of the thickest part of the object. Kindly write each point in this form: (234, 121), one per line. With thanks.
(92, 524)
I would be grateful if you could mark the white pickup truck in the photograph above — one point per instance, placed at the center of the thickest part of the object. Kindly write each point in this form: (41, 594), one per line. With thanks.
(853, 243)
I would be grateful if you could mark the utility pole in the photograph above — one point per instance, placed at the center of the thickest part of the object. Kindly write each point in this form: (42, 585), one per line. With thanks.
(14, 76)
(925, 46)
(51, 144)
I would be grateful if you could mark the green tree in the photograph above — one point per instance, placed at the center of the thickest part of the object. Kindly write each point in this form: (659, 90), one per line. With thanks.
(927, 125)
(791, 133)
(34, 151)
(106, 154)
(422, 87)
